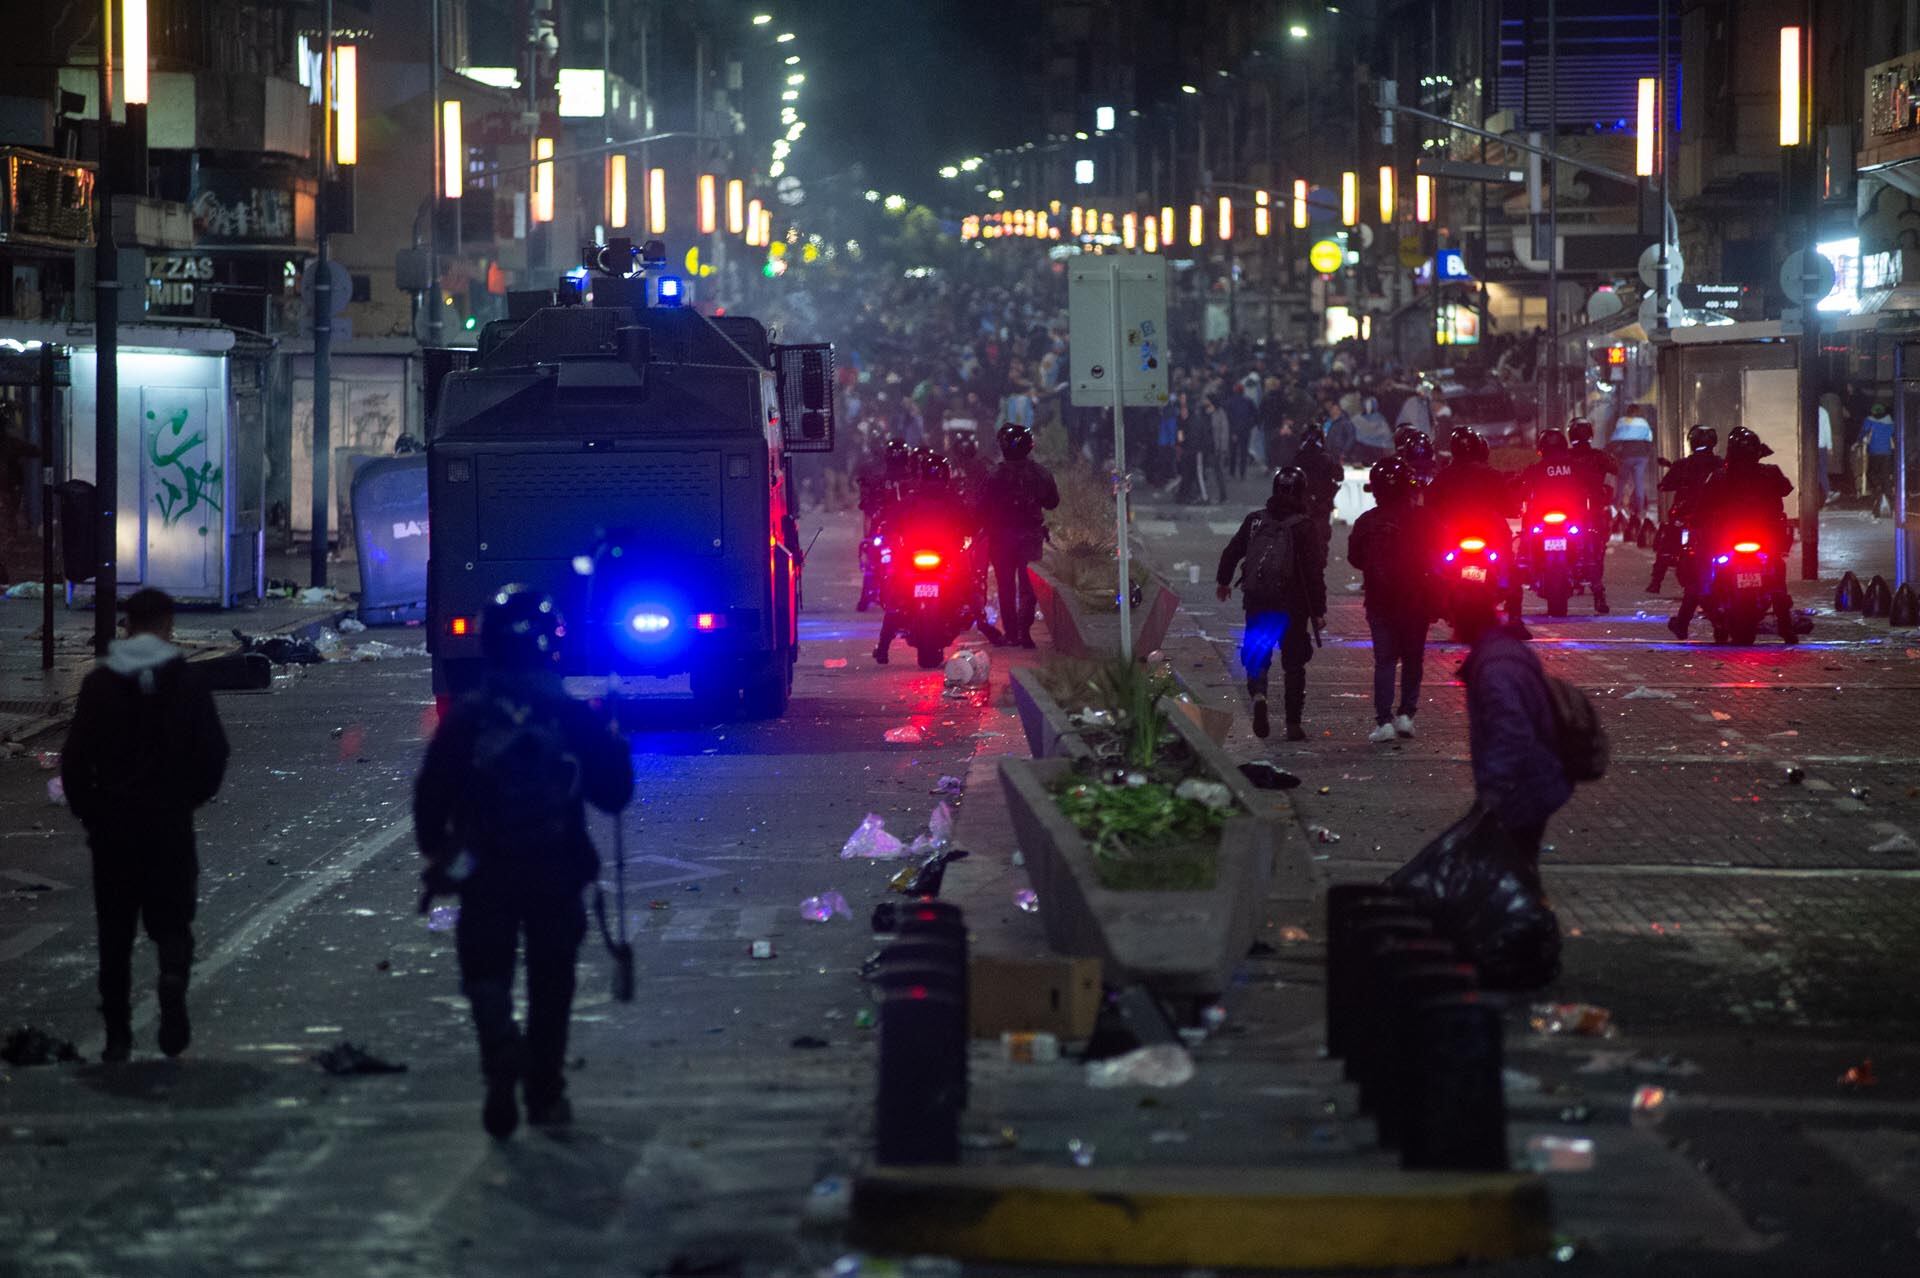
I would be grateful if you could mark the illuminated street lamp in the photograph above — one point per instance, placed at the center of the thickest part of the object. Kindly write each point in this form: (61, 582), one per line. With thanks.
(617, 191)
(1151, 241)
(1387, 193)
(1299, 204)
(1226, 217)
(346, 98)
(1644, 139)
(656, 201)
(1129, 230)
(1196, 225)
(453, 151)
(1422, 198)
(1790, 73)
(736, 207)
(1262, 214)
(133, 32)
(1349, 198)
(1166, 224)
(542, 201)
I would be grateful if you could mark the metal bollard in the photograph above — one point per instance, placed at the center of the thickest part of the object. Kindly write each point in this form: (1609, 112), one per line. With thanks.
(1348, 905)
(1397, 1071)
(1373, 1016)
(1348, 1006)
(920, 1095)
(1458, 1117)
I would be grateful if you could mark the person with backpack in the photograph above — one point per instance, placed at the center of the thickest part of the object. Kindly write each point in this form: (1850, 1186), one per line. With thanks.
(146, 748)
(1282, 560)
(1018, 494)
(499, 813)
(1390, 545)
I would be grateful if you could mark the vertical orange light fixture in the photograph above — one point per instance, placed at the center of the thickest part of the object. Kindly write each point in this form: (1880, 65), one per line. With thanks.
(453, 151)
(1646, 129)
(1349, 198)
(736, 207)
(766, 225)
(1075, 220)
(617, 191)
(1166, 225)
(1226, 217)
(542, 202)
(1422, 198)
(1106, 223)
(1388, 194)
(709, 204)
(346, 98)
(656, 201)
(753, 225)
(1790, 76)
(1129, 230)
(1299, 204)
(133, 40)
(1262, 214)
(1151, 239)
(1196, 225)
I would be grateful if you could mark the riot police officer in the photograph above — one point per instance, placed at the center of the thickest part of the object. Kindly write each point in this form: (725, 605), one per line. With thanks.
(1595, 470)
(938, 515)
(1018, 494)
(1469, 498)
(499, 813)
(1415, 451)
(1283, 561)
(1686, 480)
(1322, 473)
(1747, 493)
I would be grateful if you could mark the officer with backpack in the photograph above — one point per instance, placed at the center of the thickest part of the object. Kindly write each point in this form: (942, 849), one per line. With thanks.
(1018, 494)
(1282, 560)
(499, 813)
(146, 748)
(1390, 546)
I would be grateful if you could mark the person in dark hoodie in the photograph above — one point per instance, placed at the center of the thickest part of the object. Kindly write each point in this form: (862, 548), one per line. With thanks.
(1391, 547)
(499, 813)
(1517, 772)
(1284, 588)
(146, 748)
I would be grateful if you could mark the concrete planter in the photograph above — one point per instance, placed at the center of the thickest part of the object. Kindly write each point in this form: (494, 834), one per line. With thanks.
(1049, 731)
(1183, 945)
(1077, 632)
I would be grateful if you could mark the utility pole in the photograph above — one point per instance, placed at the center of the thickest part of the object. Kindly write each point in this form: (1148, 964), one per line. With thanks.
(323, 316)
(435, 308)
(1806, 475)
(106, 377)
(1554, 415)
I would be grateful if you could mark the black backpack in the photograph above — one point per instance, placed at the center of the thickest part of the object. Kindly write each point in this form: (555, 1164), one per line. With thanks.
(524, 790)
(1579, 737)
(1273, 563)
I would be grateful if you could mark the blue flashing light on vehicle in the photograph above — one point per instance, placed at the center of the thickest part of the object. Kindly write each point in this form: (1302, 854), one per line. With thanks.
(648, 622)
(672, 291)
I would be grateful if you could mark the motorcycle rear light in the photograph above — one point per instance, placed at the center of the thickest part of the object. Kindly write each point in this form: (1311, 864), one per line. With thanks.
(1556, 517)
(459, 627)
(1722, 559)
(1473, 543)
(709, 621)
(926, 559)
(1746, 547)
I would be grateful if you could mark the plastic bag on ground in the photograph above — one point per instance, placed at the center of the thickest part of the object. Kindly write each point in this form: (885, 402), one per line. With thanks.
(822, 908)
(351, 625)
(908, 735)
(1160, 1065)
(1487, 900)
(872, 840)
(969, 668)
(939, 832)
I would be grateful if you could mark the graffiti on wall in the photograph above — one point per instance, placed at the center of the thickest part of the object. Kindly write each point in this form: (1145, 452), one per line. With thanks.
(186, 478)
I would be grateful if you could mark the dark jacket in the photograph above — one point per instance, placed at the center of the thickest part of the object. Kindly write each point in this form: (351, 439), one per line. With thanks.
(1018, 492)
(443, 792)
(1553, 481)
(1469, 492)
(1687, 480)
(1594, 468)
(1742, 498)
(1309, 593)
(146, 747)
(1324, 476)
(1517, 772)
(1393, 549)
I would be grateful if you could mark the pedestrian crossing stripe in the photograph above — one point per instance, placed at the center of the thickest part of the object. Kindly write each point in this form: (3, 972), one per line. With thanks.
(700, 923)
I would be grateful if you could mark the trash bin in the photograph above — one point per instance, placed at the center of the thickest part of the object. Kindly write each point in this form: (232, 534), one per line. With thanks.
(79, 529)
(389, 504)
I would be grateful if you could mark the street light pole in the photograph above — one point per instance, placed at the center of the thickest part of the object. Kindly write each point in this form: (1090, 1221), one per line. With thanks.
(1553, 408)
(435, 308)
(106, 375)
(323, 316)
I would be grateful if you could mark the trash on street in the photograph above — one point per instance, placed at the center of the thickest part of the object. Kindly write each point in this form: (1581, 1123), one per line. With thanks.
(350, 1058)
(1159, 1065)
(822, 908)
(1582, 1019)
(871, 840)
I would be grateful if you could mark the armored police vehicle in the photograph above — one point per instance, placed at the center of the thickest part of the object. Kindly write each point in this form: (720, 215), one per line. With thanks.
(629, 455)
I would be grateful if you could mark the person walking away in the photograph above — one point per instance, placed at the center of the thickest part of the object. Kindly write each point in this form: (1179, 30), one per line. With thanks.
(1631, 443)
(1594, 468)
(1373, 438)
(1391, 547)
(499, 812)
(1242, 415)
(1877, 431)
(1215, 440)
(146, 748)
(1324, 476)
(1339, 430)
(1282, 560)
(1747, 493)
(1019, 492)
(1686, 480)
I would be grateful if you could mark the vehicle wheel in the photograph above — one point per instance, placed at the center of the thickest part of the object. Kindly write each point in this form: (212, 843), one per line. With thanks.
(1743, 630)
(770, 690)
(932, 658)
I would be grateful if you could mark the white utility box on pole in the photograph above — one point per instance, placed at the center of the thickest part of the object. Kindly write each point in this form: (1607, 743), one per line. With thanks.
(1117, 318)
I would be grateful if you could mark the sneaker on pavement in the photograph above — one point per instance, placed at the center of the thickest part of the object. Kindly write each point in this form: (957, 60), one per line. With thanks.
(1403, 724)
(1261, 725)
(1382, 734)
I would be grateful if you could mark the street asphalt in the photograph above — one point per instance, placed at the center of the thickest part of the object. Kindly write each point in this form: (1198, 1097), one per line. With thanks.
(1752, 938)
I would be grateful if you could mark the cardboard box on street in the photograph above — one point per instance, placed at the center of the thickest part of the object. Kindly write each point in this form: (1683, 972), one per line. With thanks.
(1051, 993)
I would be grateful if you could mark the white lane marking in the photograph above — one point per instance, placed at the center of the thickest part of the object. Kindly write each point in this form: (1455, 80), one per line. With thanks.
(672, 871)
(1157, 527)
(27, 939)
(1222, 529)
(39, 882)
(756, 921)
(686, 925)
(257, 928)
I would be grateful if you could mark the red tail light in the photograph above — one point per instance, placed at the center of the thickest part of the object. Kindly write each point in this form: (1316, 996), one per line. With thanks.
(1746, 547)
(926, 559)
(1473, 543)
(459, 626)
(708, 621)
(1556, 517)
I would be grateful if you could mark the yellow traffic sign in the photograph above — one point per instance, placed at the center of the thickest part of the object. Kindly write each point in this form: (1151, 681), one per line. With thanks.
(1327, 256)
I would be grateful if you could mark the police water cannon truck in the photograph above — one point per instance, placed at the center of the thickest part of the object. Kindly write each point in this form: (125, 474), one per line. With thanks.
(610, 445)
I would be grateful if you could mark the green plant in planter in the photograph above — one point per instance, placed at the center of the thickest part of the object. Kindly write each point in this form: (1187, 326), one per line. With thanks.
(1128, 693)
(1144, 836)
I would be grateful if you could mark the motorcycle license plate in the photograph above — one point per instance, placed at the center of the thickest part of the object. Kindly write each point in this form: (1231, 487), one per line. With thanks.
(1473, 572)
(926, 590)
(1554, 543)
(1746, 581)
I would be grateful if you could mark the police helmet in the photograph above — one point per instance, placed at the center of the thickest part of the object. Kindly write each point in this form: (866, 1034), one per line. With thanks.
(520, 628)
(935, 469)
(1390, 481)
(1580, 431)
(1016, 441)
(1743, 445)
(1290, 487)
(1702, 439)
(1314, 436)
(1465, 444)
(896, 451)
(1418, 450)
(1404, 437)
(1553, 442)
(965, 446)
